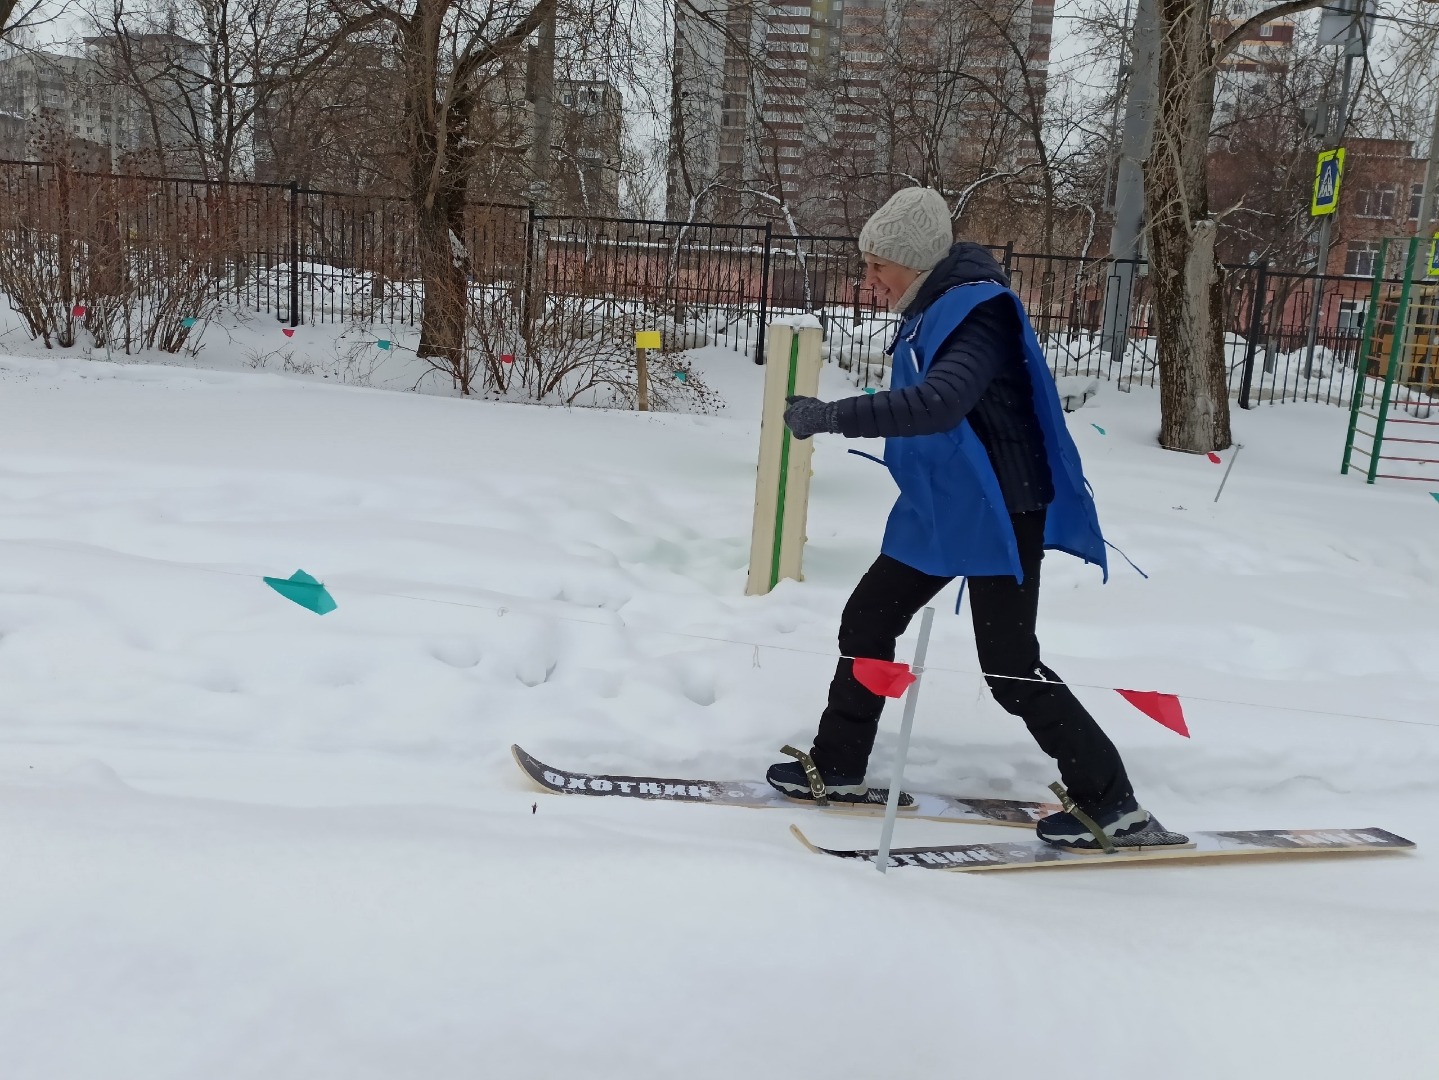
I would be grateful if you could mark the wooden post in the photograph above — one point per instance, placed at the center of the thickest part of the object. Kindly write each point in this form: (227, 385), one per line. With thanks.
(781, 501)
(645, 340)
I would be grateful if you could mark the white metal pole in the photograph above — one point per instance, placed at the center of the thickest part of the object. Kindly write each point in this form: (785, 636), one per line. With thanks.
(1232, 459)
(891, 806)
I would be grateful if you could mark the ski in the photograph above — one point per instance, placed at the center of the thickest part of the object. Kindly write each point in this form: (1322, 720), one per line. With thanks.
(1207, 846)
(756, 794)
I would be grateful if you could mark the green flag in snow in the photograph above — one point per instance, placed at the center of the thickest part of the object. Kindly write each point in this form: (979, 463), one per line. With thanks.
(303, 590)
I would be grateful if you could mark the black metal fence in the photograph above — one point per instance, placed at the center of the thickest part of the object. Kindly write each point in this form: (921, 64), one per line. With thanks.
(308, 256)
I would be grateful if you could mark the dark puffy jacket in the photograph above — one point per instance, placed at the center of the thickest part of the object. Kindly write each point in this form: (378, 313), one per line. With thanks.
(979, 375)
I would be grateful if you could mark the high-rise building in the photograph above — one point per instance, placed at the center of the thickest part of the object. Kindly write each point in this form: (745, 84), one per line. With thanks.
(92, 102)
(51, 98)
(824, 105)
(1264, 54)
(586, 143)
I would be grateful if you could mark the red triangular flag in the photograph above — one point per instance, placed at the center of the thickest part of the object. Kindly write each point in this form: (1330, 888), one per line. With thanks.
(1215, 458)
(287, 331)
(1162, 707)
(78, 311)
(882, 676)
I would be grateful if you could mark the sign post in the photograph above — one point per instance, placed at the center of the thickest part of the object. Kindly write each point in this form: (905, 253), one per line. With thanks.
(1328, 175)
(645, 340)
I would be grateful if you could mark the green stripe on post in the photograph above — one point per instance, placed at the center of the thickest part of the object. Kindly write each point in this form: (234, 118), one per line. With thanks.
(784, 464)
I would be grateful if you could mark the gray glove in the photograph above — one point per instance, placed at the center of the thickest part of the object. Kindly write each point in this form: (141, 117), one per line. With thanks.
(808, 416)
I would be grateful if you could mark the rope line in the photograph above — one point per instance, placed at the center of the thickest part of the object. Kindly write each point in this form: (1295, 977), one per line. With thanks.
(502, 610)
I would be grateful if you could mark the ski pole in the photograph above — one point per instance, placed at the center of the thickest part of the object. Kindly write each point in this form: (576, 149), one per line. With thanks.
(891, 806)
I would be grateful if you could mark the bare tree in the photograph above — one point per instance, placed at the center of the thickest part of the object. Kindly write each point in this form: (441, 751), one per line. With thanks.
(448, 52)
(203, 77)
(457, 61)
(19, 18)
(1185, 273)
(1261, 160)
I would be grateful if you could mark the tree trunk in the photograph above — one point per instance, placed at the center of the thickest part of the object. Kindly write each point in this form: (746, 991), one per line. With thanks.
(444, 271)
(1187, 281)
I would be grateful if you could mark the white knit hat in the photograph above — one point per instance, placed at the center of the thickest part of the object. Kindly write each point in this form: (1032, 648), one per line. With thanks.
(913, 229)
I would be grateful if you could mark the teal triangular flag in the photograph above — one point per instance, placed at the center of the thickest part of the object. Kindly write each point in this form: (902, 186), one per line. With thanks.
(187, 323)
(1436, 495)
(680, 375)
(1097, 428)
(869, 389)
(384, 343)
(303, 590)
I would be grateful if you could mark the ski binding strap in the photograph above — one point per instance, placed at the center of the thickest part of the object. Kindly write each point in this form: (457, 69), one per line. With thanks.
(1084, 819)
(811, 772)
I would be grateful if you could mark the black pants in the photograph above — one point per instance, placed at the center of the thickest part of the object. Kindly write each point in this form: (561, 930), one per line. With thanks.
(884, 601)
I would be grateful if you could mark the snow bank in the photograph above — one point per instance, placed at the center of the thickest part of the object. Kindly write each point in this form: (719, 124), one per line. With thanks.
(242, 840)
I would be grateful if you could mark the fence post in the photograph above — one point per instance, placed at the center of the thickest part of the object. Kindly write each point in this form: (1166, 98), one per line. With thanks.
(294, 253)
(1396, 356)
(1008, 257)
(1361, 358)
(1256, 328)
(526, 268)
(759, 352)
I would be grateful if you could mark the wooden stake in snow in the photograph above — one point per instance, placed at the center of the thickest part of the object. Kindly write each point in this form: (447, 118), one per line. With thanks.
(645, 340)
(896, 781)
(781, 499)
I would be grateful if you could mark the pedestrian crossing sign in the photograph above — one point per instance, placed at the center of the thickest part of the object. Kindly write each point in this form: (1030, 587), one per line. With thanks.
(1327, 175)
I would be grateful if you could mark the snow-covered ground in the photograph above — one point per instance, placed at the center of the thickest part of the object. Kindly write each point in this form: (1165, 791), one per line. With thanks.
(239, 840)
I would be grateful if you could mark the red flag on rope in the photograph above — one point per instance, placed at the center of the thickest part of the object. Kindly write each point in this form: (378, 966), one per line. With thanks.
(1164, 708)
(287, 331)
(78, 311)
(1215, 458)
(882, 676)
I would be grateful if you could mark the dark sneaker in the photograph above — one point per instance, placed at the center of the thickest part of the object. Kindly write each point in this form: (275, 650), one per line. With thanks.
(789, 777)
(1126, 823)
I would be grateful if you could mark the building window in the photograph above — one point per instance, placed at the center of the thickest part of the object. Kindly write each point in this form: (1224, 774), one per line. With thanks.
(1351, 317)
(1416, 196)
(1359, 259)
(1266, 30)
(1381, 202)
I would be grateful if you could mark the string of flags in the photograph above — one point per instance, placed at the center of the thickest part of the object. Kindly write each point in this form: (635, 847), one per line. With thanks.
(79, 311)
(890, 678)
(887, 678)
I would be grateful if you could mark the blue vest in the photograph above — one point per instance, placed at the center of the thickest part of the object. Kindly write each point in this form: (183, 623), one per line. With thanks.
(950, 519)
